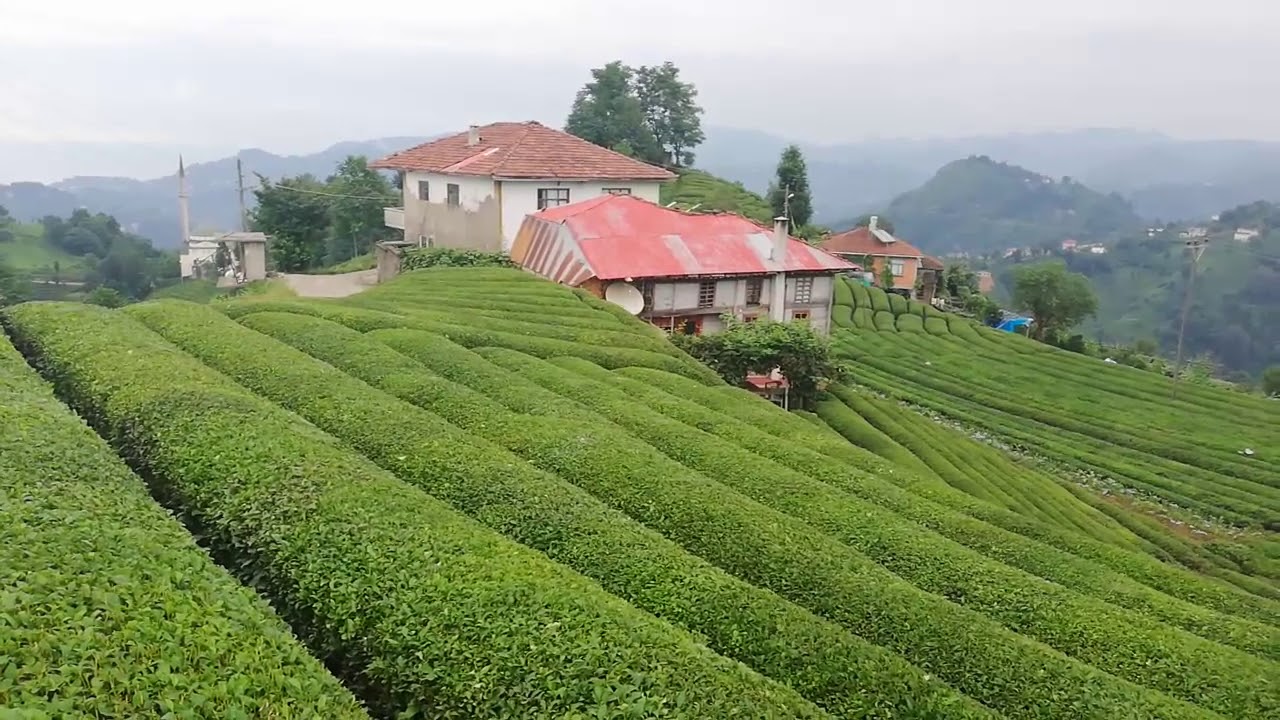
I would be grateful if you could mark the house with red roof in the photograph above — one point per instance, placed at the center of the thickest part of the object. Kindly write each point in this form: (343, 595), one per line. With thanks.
(680, 271)
(877, 248)
(473, 189)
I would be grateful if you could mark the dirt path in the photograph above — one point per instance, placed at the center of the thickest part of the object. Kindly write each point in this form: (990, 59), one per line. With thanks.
(331, 285)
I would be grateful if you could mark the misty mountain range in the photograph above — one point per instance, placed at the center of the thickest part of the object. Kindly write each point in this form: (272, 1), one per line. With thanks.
(1162, 177)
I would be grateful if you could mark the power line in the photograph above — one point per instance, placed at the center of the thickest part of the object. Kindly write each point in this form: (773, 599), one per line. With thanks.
(322, 193)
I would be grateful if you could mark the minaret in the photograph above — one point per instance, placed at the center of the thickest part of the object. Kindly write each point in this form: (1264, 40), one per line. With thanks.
(184, 212)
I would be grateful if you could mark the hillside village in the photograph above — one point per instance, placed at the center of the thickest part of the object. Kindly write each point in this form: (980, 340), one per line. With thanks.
(526, 421)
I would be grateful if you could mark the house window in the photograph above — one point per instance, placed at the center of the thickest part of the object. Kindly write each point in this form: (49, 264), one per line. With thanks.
(552, 197)
(617, 191)
(804, 290)
(706, 293)
(646, 292)
(898, 267)
(451, 195)
(800, 316)
(755, 288)
(424, 190)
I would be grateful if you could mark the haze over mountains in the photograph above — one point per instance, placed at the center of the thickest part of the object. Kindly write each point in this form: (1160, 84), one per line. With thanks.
(1162, 177)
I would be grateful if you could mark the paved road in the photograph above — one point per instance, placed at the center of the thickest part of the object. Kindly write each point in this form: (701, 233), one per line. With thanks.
(331, 285)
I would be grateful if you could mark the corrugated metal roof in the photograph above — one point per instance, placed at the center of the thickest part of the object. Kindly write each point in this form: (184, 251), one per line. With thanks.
(623, 236)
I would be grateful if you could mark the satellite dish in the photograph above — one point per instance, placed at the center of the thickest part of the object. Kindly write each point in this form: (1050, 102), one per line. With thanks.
(625, 296)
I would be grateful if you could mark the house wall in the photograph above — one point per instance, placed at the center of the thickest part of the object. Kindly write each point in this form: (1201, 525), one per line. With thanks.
(906, 281)
(475, 224)
(680, 299)
(489, 212)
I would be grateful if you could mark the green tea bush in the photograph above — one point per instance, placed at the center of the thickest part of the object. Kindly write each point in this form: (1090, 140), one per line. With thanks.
(826, 663)
(101, 587)
(879, 299)
(843, 295)
(1000, 668)
(1145, 569)
(1086, 628)
(885, 321)
(936, 326)
(864, 319)
(450, 257)
(915, 308)
(861, 298)
(897, 304)
(910, 323)
(842, 316)
(426, 612)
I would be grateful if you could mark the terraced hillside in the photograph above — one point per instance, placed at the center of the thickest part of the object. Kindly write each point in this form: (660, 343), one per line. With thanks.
(475, 494)
(1201, 453)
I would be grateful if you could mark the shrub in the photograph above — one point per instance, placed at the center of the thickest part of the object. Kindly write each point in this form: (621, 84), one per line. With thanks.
(842, 316)
(1001, 669)
(910, 323)
(885, 321)
(842, 293)
(102, 586)
(1086, 628)
(936, 326)
(861, 297)
(424, 611)
(450, 257)
(897, 304)
(823, 661)
(864, 319)
(879, 299)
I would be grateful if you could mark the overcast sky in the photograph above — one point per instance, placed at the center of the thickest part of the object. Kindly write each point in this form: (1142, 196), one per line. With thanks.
(297, 76)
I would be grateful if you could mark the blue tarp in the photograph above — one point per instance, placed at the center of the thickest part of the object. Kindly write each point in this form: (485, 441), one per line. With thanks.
(1014, 324)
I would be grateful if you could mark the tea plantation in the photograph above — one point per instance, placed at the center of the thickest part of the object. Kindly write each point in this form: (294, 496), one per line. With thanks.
(469, 493)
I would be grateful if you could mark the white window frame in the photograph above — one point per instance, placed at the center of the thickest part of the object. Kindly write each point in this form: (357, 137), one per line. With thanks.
(552, 197)
(707, 299)
(616, 191)
(424, 190)
(453, 195)
(803, 292)
(898, 267)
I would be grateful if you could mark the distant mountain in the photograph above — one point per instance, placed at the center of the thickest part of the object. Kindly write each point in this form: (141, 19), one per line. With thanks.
(1164, 178)
(979, 205)
(150, 208)
(1141, 282)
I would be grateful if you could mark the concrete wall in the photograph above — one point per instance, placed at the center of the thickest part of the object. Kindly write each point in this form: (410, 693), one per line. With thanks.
(490, 211)
(475, 224)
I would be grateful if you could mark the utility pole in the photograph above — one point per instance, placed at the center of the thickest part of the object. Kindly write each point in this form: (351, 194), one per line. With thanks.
(244, 223)
(1196, 247)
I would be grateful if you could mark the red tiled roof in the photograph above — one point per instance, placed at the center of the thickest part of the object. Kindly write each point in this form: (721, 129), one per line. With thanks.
(929, 262)
(860, 241)
(622, 236)
(521, 150)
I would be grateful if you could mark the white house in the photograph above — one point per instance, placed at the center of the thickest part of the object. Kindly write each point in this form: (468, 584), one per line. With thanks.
(473, 189)
(1245, 234)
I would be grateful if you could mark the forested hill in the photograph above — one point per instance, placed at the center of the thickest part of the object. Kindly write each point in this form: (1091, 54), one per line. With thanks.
(979, 205)
(1141, 281)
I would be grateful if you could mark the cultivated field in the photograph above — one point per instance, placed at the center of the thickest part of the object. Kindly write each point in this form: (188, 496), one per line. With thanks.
(471, 493)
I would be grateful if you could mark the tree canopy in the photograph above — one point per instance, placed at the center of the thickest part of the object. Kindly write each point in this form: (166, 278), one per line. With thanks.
(313, 223)
(645, 112)
(1271, 380)
(789, 193)
(798, 351)
(1056, 298)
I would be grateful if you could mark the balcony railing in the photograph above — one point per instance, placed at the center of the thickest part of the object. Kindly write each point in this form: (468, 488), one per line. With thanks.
(393, 217)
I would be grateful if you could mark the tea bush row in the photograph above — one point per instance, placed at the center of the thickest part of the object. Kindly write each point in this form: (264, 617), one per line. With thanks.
(423, 611)
(100, 588)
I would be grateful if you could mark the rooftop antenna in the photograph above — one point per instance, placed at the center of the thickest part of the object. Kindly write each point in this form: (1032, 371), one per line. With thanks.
(1195, 247)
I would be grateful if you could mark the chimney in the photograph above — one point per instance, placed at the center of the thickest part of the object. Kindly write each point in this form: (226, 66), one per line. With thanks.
(874, 224)
(473, 135)
(780, 236)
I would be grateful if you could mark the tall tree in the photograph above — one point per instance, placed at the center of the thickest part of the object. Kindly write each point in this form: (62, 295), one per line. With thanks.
(671, 111)
(789, 192)
(607, 112)
(355, 211)
(1057, 299)
(296, 218)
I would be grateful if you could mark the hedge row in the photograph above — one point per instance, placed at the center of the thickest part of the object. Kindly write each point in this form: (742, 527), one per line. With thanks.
(885, 321)
(1114, 639)
(864, 319)
(910, 323)
(842, 315)
(879, 300)
(1143, 568)
(425, 612)
(992, 664)
(936, 326)
(829, 665)
(861, 297)
(842, 293)
(897, 304)
(101, 586)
